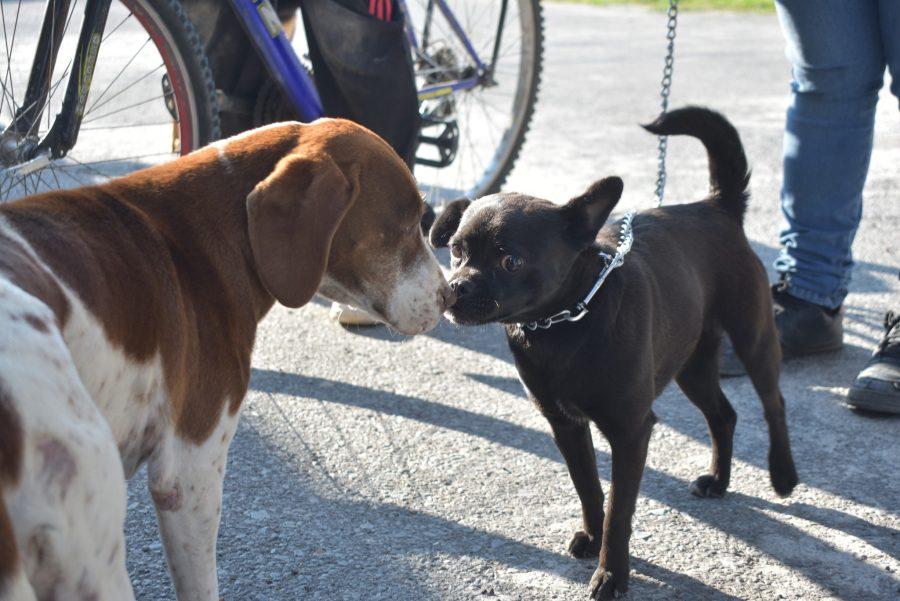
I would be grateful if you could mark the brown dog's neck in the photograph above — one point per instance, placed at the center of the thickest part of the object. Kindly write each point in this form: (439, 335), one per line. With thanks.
(198, 204)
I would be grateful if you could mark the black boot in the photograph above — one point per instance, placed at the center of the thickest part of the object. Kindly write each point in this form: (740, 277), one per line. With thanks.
(877, 387)
(805, 328)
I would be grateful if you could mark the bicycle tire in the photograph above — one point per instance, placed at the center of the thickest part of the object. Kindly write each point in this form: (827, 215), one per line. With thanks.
(195, 116)
(537, 64)
(199, 75)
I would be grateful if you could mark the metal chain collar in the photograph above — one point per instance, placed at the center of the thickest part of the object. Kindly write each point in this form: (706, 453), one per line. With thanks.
(626, 237)
(666, 86)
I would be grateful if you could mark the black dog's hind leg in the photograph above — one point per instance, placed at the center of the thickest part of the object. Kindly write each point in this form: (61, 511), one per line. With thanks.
(758, 348)
(629, 454)
(574, 442)
(699, 380)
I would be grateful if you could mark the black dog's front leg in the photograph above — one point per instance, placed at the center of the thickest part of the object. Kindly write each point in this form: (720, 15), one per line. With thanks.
(574, 442)
(629, 453)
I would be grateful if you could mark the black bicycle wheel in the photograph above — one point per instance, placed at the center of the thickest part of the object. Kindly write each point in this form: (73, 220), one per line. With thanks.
(152, 95)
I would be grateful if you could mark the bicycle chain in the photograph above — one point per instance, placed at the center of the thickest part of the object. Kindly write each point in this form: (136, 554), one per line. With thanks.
(666, 87)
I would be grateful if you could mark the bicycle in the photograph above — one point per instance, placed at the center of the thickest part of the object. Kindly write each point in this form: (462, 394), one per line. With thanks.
(142, 91)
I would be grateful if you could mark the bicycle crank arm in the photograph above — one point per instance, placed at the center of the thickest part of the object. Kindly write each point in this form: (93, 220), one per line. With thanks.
(64, 132)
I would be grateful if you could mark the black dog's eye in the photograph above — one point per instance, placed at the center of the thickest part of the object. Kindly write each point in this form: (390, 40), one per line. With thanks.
(511, 262)
(456, 251)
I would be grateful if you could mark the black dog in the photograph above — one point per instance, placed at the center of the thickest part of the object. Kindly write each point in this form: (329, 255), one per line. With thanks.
(690, 275)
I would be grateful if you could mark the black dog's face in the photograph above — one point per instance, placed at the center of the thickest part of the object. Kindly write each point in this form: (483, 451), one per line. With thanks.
(511, 253)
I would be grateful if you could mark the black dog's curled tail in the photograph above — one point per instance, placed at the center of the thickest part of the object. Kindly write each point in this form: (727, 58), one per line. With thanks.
(729, 175)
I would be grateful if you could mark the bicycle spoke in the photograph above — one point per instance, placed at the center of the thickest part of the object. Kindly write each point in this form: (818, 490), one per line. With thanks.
(13, 183)
(120, 159)
(6, 80)
(488, 117)
(127, 125)
(6, 94)
(106, 37)
(484, 17)
(40, 180)
(468, 17)
(69, 18)
(477, 168)
(49, 76)
(53, 173)
(89, 167)
(53, 89)
(439, 21)
(464, 135)
(116, 78)
(9, 49)
(492, 106)
(504, 51)
(124, 108)
(125, 89)
(67, 174)
(55, 86)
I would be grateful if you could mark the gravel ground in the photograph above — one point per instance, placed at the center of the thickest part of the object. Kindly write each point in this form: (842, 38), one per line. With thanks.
(369, 466)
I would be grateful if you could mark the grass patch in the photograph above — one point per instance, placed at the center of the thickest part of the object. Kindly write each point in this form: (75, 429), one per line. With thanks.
(759, 6)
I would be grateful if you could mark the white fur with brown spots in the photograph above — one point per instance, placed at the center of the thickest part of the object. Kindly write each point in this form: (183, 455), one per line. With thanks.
(68, 506)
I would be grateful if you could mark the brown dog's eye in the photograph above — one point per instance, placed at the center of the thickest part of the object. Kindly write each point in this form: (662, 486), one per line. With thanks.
(511, 262)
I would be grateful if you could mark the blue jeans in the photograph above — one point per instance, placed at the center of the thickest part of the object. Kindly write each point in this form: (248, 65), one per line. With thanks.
(839, 50)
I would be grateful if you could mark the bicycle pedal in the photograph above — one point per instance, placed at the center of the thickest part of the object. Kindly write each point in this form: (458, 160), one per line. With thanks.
(446, 143)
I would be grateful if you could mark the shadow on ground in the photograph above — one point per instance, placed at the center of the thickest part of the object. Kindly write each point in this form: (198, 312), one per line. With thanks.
(740, 516)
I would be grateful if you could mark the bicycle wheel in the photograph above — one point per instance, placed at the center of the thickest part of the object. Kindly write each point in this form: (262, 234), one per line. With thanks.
(151, 99)
(491, 120)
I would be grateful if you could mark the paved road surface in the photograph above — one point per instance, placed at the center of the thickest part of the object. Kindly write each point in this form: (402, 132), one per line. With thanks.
(368, 466)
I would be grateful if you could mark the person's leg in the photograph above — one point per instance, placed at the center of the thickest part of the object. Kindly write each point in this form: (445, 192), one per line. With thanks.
(838, 62)
(889, 19)
(838, 68)
(877, 387)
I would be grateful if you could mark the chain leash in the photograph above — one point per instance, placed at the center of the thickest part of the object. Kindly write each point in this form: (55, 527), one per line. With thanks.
(666, 86)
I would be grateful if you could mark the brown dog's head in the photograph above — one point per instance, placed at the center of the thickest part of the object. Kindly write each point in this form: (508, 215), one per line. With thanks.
(339, 215)
(512, 254)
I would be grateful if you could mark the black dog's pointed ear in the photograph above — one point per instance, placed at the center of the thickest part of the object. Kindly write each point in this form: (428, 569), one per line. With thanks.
(588, 212)
(427, 220)
(446, 223)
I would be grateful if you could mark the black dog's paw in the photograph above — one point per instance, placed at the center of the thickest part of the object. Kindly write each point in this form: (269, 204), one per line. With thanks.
(708, 486)
(583, 545)
(604, 586)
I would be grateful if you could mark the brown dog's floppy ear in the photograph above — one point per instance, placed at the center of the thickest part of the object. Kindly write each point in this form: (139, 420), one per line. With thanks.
(292, 216)
(588, 212)
(447, 222)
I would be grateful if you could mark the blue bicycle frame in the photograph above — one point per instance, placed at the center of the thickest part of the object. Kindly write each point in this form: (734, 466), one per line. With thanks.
(265, 30)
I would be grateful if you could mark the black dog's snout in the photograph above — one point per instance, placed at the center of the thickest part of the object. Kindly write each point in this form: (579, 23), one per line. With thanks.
(462, 288)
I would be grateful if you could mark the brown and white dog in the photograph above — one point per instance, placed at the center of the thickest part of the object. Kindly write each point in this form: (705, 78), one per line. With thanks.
(127, 318)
